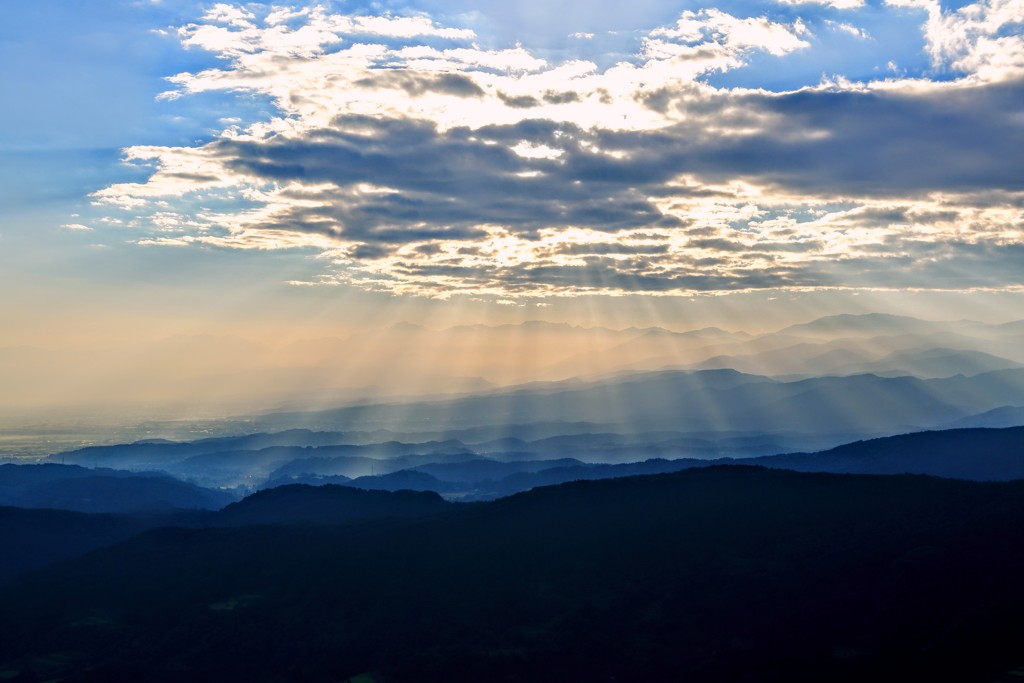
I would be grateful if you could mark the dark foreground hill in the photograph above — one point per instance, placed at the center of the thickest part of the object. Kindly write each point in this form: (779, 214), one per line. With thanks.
(328, 504)
(36, 538)
(32, 538)
(718, 574)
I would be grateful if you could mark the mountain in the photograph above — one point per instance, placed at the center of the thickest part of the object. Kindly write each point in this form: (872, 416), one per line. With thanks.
(711, 575)
(796, 359)
(330, 504)
(123, 388)
(848, 358)
(32, 538)
(647, 350)
(158, 453)
(704, 401)
(69, 487)
(867, 324)
(405, 480)
(246, 461)
(1008, 416)
(972, 454)
(484, 470)
(628, 418)
(936, 362)
(976, 454)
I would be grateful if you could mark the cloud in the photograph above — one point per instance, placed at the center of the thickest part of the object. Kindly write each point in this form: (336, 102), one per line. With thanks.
(848, 29)
(982, 40)
(711, 40)
(835, 4)
(418, 162)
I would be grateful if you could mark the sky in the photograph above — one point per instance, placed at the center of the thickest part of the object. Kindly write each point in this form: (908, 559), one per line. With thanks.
(173, 167)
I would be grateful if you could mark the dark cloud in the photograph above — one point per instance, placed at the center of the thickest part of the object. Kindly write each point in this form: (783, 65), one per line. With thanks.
(718, 244)
(883, 143)
(553, 97)
(432, 186)
(612, 248)
(193, 177)
(416, 83)
(362, 252)
(518, 101)
(452, 182)
(832, 143)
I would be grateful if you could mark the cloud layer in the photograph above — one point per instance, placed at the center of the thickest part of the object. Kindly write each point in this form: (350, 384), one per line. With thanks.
(412, 160)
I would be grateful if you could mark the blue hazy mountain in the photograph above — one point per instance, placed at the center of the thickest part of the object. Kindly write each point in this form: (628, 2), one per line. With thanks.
(972, 454)
(226, 462)
(69, 487)
(406, 480)
(871, 357)
(1007, 416)
(705, 401)
(846, 325)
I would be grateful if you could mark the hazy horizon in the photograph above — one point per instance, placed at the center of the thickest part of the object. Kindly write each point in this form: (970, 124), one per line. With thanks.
(214, 209)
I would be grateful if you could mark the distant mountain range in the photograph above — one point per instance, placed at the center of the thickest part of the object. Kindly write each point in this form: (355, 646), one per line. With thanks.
(409, 363)
(709, 401)
(459, 475)
(458, 470)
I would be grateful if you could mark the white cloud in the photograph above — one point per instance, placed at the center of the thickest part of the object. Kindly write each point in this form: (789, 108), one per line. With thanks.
(981, 39)
(835, 4)
(714, 27)
(849, 29)
(418, 162)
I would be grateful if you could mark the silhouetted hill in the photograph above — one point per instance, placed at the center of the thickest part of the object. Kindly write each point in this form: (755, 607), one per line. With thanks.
(710, 575)
(977, 454)
(405, 480)
(31, 538)
(68, 487)
(329, 504)
(35, 538)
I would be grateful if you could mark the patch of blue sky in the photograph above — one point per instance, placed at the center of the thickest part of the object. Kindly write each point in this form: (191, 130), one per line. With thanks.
(88, 80)
(1010, 29)
(954, 5)
(43, 179)
(551, 25)
(889, 44)
(197, 118)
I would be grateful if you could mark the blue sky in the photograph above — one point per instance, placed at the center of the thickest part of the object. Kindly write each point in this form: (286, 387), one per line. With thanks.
(505, 156)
